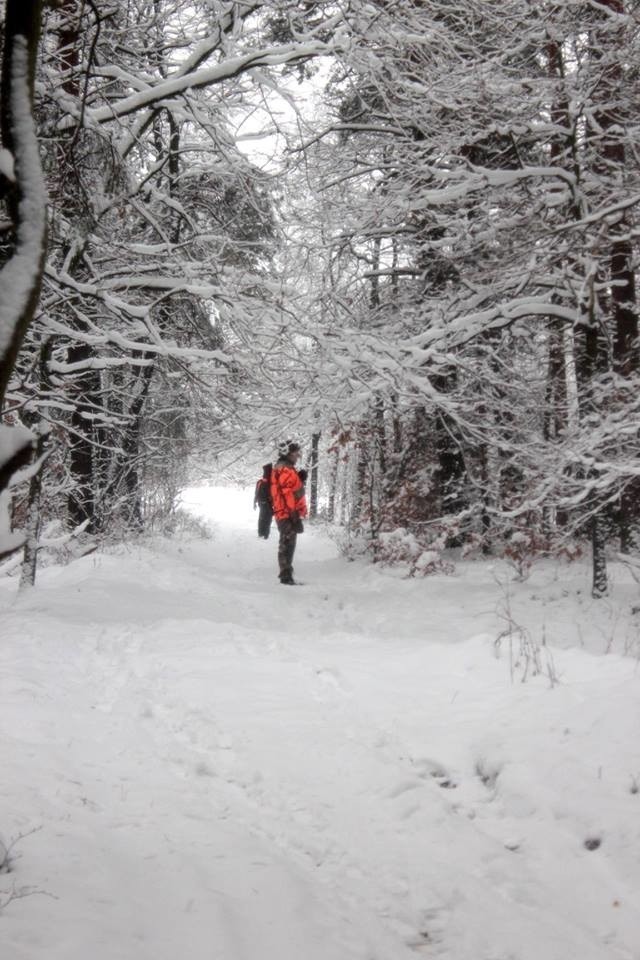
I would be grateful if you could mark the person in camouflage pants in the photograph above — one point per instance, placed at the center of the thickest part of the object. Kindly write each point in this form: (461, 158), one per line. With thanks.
(289, 507)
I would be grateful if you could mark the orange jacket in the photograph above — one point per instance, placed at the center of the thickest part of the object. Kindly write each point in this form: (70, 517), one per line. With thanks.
(287, 491)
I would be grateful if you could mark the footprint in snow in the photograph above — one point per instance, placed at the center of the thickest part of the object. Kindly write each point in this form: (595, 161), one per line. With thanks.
(401, 788)
(331, 677)
(487, 772)
(592, 843)
(426, 769)
(431, 934)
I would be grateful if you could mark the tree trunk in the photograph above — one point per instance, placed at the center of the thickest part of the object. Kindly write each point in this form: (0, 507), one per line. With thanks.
(396, 427)
(360, 491)
(555, 412)
(332, 484)
(451, 470)
(555, 409)
(485, 516)
(599, 586)
(611, 163)
(126, 472)
(81, 501)
(32, 527)
(591, 359)
(25, 198)
(381, 436)
(611, 160)
(25, 202)
(313, 493)
(343, 498)
(34, 512)
(22, 273)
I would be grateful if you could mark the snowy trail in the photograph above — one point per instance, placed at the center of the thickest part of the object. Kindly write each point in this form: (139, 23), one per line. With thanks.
(219, 767)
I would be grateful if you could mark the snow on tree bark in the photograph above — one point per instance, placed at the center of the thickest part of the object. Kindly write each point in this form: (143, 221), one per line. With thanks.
(25, 197)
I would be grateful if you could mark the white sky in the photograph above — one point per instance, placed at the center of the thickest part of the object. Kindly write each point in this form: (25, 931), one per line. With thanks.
(295, 106)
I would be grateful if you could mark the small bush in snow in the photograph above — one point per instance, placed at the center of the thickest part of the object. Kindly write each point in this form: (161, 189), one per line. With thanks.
(400, 546)
(181, 523)
(351, 545)
(524, 547)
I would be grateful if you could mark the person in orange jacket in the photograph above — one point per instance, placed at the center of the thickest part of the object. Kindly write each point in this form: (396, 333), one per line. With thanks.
(289, 506)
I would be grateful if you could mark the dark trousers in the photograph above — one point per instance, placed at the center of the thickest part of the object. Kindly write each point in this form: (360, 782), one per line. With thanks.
(286, 548)
(265, 517)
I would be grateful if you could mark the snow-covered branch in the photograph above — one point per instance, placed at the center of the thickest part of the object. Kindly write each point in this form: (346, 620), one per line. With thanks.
(162, 92)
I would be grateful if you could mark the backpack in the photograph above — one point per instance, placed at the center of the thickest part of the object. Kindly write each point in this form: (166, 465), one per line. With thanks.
(263, 494)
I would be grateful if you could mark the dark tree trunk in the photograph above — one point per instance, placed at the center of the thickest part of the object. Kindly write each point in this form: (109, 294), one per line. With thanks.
(362, 454)
(32, 526)
(563, 152)
(26, 236)
(81, 501)
(174, 173)
(485, 516)
(84, 387)
(591, 359)
(396, 427)
(125, 476)
(381, 436)
(378, 404)
(34, 510)
(313, 492)
(451, 471)
(599, 586)
(611, 162)
(333, 485)
(606, 138)
(555, 412)
(21, 26)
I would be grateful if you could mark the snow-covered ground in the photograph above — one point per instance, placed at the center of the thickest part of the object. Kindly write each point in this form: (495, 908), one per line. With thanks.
(203, 764)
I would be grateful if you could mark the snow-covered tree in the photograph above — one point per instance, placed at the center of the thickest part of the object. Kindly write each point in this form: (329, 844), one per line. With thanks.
(22, 241)
(480, 266)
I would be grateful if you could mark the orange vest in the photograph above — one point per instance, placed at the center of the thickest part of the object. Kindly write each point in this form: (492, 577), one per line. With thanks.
(287, 491)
